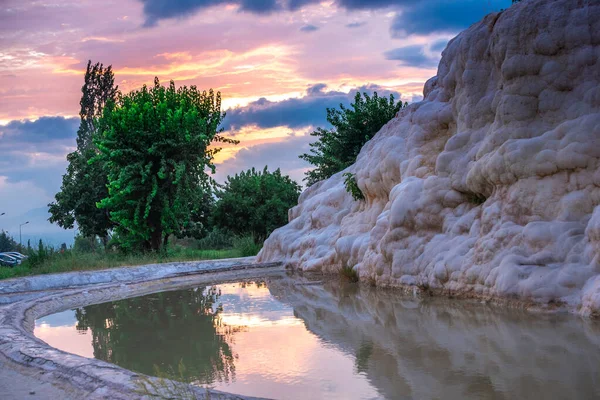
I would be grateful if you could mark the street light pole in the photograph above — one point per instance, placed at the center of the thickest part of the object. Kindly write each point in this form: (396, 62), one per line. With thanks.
(20, 239)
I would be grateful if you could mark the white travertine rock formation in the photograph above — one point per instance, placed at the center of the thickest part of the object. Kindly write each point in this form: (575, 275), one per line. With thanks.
(488, 187)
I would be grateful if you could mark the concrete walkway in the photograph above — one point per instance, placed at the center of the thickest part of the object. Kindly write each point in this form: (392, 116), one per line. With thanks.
(18, 383)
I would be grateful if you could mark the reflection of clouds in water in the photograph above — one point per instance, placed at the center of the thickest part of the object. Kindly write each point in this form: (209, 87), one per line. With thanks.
(65, 318)
(251, 304)
(283, 360)
(253, 320)
(66, 337)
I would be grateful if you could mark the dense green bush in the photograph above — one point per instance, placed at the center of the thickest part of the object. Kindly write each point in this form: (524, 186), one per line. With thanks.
(254, 203)
(352, 186)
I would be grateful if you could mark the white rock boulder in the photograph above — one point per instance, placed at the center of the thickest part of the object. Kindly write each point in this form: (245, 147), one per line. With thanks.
(490, 186)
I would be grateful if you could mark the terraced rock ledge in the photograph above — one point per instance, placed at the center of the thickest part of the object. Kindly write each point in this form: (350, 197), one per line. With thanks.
(24, 359)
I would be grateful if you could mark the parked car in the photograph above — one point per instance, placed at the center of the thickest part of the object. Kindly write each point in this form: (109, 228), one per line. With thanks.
(17, 255)
(8, 261)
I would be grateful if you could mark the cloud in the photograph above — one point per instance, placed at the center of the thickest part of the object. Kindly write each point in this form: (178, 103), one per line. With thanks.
(283, 154)
(439, 45)
(353, 25)
(370, 4)
(42, 129)
(259, 6)
(156, 10)
(413, 56)
(309, 110)
(449, 16)
(309, 28)
(35, 151)
(32, 162)
(413, 17)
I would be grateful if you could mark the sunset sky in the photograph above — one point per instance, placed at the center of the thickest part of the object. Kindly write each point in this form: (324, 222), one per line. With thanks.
(278, 64)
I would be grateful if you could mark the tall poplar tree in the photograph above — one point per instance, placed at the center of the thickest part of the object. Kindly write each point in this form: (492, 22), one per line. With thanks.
(84, 184)
(155, 143)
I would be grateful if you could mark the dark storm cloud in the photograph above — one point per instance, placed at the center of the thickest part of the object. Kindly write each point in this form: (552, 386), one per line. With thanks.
(309, 28)
(309, 110)
(413, 56)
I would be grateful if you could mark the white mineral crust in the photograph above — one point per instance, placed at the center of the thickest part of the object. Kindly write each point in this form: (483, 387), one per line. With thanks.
(490, 186)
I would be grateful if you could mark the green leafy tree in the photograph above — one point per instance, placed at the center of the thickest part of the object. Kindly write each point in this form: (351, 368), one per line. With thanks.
(337, 148)
(255, 203)
(155, 144)
(199, 224)
(7, 243)
(84, 184)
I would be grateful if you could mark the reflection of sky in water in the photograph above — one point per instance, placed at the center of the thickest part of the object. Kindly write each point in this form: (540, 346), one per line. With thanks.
(251, 306)
(65, 318)
(347, 342)
(274, 355)
(58, 330)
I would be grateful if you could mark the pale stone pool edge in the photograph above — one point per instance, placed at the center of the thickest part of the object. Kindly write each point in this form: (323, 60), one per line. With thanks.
(27, 299)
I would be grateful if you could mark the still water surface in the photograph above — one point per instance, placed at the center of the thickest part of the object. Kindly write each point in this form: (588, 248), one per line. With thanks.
(287, 340)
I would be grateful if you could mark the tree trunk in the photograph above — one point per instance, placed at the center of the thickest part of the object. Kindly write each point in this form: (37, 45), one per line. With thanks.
(156, 240)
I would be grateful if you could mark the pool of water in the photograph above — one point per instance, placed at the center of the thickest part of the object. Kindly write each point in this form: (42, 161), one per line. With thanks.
(289, 339)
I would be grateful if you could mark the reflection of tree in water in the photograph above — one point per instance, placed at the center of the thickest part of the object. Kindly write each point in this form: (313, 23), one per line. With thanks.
(164, 330)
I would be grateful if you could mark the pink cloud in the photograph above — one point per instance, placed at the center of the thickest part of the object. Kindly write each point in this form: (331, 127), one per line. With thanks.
(45, 48)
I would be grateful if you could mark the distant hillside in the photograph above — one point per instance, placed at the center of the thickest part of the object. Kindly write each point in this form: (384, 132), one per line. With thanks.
(38, 228)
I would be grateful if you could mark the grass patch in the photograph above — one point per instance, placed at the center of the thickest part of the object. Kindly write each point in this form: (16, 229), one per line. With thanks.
(349, 274)
(78, 261)
(246, 246)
